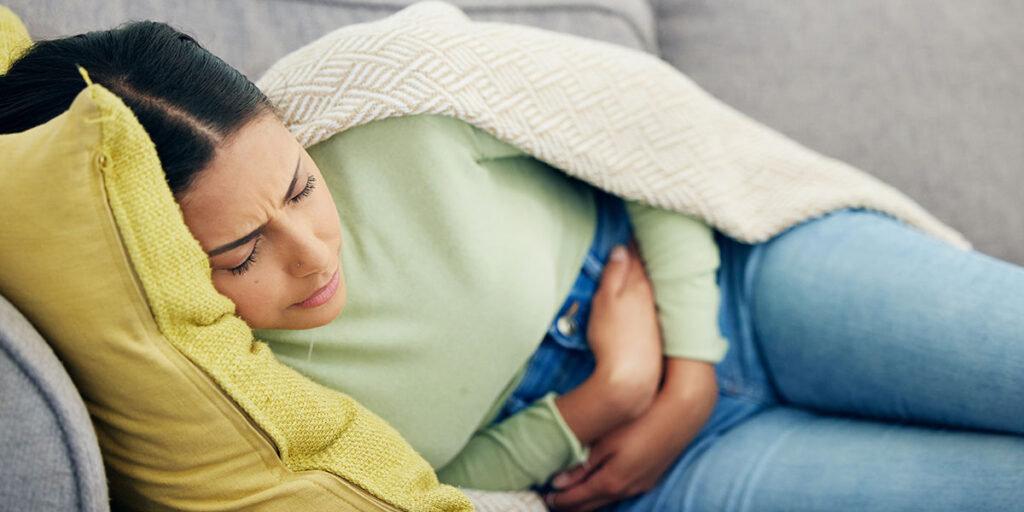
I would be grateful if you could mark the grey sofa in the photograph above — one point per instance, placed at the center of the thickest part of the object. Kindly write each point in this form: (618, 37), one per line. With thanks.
(925, 94)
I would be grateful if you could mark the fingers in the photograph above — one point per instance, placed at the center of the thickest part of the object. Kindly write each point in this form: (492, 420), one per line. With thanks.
(636, 279)
(624, 269)
(578, 489)
(616, 270)
(590, 494)
(569, 478)
(636, 274)
(577, 497)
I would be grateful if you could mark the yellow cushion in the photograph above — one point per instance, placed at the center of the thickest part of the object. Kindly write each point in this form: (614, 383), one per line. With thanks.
(190, 411)
(14, 38)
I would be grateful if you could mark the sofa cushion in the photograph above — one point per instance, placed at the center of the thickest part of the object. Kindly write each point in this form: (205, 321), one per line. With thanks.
(13, 38)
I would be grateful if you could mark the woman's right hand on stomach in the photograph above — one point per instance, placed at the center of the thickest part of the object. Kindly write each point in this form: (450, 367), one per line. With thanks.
(624, 336)
(623, 331)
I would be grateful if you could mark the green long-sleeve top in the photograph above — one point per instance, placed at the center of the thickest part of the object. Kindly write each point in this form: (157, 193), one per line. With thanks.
(458, 251)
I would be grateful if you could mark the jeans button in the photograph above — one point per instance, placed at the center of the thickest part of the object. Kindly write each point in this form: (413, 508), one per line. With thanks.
(566, 324)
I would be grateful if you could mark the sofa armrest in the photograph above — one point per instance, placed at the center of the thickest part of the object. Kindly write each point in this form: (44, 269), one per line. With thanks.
(50, 453)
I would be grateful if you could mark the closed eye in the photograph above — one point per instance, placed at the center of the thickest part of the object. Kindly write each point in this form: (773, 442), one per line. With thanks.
(308, 189)
(241, 269)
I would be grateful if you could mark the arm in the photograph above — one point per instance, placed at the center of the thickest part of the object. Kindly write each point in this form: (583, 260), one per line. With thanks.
(623, 334)
(682, 260)
(529, 447)
(521, 451)
(631, 459)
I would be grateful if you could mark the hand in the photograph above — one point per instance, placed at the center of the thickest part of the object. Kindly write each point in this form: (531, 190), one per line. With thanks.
(626, 341)
(631, 459)
(623, 330)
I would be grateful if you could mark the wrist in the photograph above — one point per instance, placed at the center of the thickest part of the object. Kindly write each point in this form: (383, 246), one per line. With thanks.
(587, 412)
(689, 384)
(629, 390)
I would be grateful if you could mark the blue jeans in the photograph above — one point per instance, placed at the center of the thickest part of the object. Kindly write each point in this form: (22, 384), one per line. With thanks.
(871, 367)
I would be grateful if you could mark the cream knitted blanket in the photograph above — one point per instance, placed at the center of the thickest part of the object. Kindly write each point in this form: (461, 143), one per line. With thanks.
(620, 119)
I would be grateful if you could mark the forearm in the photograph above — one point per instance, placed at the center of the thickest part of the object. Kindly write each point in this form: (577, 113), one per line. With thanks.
(686, 399)
(604, 401)
(681, 260)
(523, 450)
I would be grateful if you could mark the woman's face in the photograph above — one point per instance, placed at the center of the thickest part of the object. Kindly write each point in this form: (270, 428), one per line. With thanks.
(262, 213)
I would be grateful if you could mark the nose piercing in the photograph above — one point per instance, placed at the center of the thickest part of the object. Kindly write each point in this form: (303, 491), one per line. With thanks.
(298, 265)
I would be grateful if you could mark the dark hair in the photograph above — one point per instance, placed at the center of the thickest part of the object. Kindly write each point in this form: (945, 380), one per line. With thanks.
(187, 99)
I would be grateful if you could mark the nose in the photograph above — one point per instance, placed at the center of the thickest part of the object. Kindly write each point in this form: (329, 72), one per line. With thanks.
(308, 253)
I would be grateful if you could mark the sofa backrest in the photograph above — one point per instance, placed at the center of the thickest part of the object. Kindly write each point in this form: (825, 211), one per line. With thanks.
(251, 35)
(924, 94)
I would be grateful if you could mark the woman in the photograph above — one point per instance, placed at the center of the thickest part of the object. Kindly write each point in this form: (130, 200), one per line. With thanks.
(254, 199)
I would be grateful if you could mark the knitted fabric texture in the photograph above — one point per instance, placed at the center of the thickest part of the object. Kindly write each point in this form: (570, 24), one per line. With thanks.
(620, 119)
(14, 38)
(314, 428)
(524, 501)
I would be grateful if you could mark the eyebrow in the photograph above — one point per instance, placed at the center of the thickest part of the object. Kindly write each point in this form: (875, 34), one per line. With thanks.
(258, 231)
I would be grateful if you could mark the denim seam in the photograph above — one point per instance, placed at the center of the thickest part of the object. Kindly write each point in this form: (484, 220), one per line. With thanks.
(757, 471)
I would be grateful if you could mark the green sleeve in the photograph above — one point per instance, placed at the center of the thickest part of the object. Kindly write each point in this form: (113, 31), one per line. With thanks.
(681, 259)
(525, 449)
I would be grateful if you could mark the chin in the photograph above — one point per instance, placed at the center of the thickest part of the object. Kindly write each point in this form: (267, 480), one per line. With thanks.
(294, 318)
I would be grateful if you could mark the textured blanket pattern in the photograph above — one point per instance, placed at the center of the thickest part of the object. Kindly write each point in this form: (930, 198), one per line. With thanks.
(486, 501)
(620, 119)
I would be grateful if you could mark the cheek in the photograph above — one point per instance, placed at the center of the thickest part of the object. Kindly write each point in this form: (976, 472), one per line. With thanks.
(250, 295)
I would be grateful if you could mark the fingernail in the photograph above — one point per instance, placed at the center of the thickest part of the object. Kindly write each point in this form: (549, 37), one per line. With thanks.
(619, 253)
(560, 480)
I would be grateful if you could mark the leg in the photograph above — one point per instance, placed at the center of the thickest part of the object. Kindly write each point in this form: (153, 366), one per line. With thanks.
(857, 313)
(785, 459)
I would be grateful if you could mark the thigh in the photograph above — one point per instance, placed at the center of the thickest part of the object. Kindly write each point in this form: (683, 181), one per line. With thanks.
(786, 459)
(858, 313)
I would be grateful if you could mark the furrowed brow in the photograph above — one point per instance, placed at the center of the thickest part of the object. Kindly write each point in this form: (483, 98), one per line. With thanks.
(258, 231)
(237, 243)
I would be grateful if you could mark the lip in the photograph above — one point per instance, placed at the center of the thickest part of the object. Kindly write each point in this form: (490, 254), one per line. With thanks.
(321, 296)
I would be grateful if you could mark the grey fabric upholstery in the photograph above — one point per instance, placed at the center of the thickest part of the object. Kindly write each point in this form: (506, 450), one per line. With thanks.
(50, 454)
(925, 94)
(251, 35)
